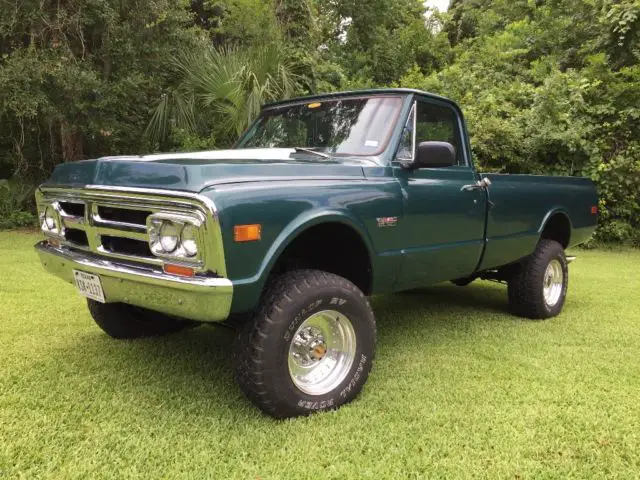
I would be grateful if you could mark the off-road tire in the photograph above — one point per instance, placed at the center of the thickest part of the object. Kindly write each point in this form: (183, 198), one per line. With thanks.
(262, 349)
(526, 285)
(122, 321)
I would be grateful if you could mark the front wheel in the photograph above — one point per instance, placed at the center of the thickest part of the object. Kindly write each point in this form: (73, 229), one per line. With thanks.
(539, 287)
(310, 346)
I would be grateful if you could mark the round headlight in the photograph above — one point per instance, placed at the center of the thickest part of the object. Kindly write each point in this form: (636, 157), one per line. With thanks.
(50, 218)
(169, 235)
(188, 240)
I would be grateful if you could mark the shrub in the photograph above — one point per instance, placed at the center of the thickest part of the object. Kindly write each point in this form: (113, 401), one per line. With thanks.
(17, 208)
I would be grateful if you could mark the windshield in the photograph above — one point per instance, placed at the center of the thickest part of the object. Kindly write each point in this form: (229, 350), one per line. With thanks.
(347, 126)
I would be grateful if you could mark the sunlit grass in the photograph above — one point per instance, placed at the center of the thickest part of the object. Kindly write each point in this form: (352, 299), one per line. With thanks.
(460, 388)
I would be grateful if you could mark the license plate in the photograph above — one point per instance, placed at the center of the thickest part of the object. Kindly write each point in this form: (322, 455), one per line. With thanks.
(89, 285)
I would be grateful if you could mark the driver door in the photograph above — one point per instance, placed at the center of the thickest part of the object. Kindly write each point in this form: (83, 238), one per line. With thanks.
(442, 225)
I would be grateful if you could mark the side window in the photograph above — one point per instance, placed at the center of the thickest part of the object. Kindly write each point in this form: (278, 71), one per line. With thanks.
(439, 123)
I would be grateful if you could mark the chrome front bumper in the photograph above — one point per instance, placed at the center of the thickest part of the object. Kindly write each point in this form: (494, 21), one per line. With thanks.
(205, 299)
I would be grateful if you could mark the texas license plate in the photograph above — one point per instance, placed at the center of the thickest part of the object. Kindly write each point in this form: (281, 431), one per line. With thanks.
(89, 285)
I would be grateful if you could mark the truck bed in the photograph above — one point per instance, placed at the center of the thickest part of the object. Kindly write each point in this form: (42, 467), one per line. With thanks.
(521, 205)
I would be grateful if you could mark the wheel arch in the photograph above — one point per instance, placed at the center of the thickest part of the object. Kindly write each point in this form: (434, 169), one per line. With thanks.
(302, 227)
(557, 226)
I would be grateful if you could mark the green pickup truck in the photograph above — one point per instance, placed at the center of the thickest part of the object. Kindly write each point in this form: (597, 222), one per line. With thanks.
(322, 202)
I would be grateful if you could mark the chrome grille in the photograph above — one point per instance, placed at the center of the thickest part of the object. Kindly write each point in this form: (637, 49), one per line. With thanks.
(112, 222)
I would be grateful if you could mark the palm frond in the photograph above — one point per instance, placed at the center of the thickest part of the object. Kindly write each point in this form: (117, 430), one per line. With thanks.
(174, 110)
(227, 84)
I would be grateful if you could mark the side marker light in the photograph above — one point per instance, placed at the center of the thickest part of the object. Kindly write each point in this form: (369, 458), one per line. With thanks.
(247, 233)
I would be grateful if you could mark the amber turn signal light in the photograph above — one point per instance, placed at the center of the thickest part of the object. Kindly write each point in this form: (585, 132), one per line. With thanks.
(247, 233)
(179, 270)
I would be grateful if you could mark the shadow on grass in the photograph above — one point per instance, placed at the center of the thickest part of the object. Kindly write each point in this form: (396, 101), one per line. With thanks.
(443, 306)
(192, 371)
(480, 296)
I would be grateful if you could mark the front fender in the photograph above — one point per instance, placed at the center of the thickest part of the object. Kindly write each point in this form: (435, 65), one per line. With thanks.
(247, 291)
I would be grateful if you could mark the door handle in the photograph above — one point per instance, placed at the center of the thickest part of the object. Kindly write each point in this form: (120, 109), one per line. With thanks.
(479, 185)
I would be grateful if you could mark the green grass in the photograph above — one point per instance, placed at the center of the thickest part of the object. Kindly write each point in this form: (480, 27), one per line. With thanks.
(459, 389)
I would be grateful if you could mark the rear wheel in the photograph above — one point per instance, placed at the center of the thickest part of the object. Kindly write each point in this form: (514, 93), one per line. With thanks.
(538, 289)
(122, 321)
(309, 347)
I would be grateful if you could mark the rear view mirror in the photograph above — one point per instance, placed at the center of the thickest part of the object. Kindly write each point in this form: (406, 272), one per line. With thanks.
(434, 154)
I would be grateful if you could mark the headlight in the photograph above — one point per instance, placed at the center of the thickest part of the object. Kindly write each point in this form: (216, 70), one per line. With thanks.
(169, 236)
(174, 236)
(188, 240)
(49, 220)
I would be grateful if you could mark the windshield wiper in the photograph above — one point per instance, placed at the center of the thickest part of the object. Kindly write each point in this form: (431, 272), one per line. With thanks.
(308, 150)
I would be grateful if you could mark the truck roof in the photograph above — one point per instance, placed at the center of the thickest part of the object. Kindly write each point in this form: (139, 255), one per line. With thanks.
(369, 91)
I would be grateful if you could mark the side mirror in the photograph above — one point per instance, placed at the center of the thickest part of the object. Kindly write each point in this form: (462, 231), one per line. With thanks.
(434, 154)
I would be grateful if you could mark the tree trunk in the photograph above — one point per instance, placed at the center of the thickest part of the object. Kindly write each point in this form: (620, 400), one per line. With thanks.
(71, 142)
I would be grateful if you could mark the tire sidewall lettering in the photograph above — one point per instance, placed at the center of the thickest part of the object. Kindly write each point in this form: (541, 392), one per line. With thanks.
(311, 308)
(356, 376)
(316, 405)
(351, 385)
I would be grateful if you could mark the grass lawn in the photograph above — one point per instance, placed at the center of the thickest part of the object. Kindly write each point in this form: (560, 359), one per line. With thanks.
(460, 388)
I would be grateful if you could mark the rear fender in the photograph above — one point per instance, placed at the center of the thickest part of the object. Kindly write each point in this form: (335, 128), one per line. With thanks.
(550, 214)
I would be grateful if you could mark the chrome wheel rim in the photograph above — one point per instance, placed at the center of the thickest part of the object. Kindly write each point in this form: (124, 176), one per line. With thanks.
(322, 352)
(553, 282)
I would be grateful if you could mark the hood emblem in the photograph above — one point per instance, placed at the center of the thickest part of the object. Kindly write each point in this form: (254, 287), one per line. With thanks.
(387, 221)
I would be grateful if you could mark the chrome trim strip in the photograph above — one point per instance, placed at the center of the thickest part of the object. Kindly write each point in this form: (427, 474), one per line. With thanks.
(123, 271)
(206, 299)
(156, 191)
(129, 258)
(414, 110)
(70, 221)
(116, 232)
(118, 226)
(571, 259)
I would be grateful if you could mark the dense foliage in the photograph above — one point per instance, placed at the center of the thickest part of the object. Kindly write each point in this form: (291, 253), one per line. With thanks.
(548, 86)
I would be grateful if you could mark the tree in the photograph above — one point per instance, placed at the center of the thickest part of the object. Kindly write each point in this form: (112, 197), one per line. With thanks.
(236, 22)
(552, 87)
(547, 86)
(78, 77)
(378, 40)
(221, 91)
(300, 39)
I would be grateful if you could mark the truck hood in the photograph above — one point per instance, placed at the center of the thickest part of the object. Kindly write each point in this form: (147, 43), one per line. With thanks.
(195, 171)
